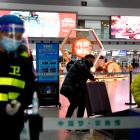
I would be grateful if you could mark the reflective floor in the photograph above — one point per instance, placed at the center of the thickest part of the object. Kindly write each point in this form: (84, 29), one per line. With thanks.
(118, 92)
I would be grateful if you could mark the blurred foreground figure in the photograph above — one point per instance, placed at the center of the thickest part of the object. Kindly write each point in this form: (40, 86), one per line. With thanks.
(16, 77)
(135, 89)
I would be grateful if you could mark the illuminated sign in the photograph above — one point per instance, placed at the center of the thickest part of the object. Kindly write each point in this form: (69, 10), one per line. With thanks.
(82, 47)
(45, 24)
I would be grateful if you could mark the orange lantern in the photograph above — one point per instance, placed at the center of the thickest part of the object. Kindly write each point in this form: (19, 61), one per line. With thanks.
(82, 47)
(111, 66)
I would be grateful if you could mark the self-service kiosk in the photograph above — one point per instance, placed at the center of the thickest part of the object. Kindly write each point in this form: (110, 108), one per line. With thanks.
(47, 67)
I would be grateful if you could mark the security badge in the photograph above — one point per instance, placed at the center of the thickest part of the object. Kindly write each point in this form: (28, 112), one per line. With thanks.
(15, 70)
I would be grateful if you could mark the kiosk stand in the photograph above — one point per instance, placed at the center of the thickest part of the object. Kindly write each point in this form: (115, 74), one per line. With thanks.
(47, 67)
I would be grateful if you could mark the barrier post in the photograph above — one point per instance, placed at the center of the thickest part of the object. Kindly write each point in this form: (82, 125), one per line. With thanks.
(130, 80)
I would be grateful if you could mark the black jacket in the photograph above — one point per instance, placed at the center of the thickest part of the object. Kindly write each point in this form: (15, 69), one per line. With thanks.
(17, 67)
(76, 78)
(69, 64)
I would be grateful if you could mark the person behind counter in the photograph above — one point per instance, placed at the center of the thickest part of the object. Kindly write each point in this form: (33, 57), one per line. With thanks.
(100, 66)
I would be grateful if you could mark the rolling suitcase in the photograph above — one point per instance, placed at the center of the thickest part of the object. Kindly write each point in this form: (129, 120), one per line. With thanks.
(97, 100)
(97, 103)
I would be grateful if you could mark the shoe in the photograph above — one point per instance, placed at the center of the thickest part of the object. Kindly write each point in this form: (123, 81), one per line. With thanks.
(85, 130)
(82, 130)
(77, 130)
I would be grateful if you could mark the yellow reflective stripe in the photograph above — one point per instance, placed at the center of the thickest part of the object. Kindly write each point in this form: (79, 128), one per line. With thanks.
(3, 97)
(12, 82)
(13, 95)
(24, 54)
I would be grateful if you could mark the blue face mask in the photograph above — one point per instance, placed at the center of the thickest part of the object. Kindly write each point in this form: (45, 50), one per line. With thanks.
(10, 44)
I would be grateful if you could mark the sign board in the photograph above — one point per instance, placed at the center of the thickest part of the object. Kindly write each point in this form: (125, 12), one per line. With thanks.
(47, 62)
(82, 47)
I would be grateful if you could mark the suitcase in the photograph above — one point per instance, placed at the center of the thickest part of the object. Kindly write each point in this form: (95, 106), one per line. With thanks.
(97, 100)
(97, 103)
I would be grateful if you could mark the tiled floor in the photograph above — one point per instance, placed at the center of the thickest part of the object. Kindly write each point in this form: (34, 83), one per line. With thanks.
(118, 92)
(64, 135)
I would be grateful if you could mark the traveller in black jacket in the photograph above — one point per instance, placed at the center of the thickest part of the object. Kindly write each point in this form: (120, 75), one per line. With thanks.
(71, 62)
(74, 85)
(16, 77)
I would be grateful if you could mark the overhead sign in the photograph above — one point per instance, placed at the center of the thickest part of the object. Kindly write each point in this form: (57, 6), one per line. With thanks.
(45, 24)
(82, 47)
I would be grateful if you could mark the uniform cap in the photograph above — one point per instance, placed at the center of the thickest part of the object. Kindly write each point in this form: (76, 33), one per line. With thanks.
(7, 21)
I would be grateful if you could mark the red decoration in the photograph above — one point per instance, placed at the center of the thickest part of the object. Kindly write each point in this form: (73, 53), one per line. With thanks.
(82, 47)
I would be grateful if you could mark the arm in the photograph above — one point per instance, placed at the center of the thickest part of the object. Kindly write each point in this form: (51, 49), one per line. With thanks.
(62, 48)
(81, 64)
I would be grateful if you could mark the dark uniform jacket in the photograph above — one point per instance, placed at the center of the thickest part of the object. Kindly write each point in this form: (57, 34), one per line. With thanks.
(76, 78)
(17, 78)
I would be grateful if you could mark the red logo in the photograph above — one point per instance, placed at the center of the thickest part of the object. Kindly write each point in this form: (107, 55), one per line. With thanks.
(82, 47)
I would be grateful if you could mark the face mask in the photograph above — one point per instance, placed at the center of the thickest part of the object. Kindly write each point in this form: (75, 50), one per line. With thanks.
(73, 58)
(10, 44)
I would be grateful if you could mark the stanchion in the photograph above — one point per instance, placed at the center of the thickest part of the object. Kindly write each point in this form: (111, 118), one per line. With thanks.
(130, 80)
(35, 126)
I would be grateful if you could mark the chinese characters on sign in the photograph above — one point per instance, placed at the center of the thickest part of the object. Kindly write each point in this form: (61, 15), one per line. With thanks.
(82, 47)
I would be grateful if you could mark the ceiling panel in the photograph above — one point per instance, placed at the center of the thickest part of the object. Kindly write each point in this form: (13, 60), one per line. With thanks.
(93, 3)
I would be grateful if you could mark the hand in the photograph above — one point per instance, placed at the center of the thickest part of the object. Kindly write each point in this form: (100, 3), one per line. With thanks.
(13, 107)
(93, 79)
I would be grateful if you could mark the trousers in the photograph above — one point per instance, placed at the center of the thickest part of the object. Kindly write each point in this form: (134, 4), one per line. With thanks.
(77, 102)
(11, 126)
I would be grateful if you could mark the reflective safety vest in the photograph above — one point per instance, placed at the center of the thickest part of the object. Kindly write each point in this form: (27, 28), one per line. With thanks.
(11, 82)
(6, 81)
(24, 54)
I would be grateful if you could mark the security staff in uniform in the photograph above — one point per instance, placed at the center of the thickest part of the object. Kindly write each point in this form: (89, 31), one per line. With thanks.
(17, 77)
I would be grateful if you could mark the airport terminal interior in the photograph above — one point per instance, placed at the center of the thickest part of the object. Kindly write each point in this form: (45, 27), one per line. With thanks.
(56, 30)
